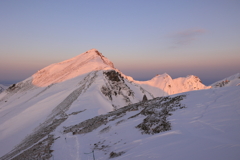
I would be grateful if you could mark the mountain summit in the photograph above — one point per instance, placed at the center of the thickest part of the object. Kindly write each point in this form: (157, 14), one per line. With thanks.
(91, 60)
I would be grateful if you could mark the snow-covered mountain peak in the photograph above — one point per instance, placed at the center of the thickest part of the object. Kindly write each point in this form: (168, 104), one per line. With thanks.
(89, 61)
(95, 52)
(174, 86)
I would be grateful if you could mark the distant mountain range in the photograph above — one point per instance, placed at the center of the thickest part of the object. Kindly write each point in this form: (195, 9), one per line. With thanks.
(85, 104)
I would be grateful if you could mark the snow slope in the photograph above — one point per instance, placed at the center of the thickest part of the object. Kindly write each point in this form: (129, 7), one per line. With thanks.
(207, 128)
(194, 125)
(174, 86)
(233, 80)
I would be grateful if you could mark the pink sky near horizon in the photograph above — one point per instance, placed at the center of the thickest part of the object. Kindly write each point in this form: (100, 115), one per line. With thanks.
(141, 38)
(215, 70)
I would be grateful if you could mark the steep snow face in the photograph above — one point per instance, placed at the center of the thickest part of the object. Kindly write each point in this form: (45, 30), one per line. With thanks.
(91, 60)
(174, 86)
(233, 80)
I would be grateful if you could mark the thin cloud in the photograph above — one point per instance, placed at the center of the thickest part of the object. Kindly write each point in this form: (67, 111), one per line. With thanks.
(186, 37)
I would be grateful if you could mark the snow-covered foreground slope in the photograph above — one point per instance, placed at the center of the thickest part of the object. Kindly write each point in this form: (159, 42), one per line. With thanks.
(233, 80)
(174, 86)
(195, 125)
(207, 128)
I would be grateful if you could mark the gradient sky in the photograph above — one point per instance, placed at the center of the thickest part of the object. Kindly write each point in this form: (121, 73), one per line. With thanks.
(142, 38)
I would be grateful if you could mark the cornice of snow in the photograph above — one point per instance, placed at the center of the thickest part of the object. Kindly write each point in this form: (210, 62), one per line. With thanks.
(89, 61)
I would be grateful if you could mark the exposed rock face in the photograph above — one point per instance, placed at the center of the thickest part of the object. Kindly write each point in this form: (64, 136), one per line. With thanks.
(222, 84)
(144, 98)
(114, 154)
(115, 86)
(156, 120)
(113, 76)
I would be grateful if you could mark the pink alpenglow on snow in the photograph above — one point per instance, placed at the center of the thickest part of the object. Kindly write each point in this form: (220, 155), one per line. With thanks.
(174, 86)
(91, 60)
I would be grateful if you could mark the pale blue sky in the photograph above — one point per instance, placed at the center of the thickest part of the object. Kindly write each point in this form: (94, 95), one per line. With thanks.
(142, 38)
